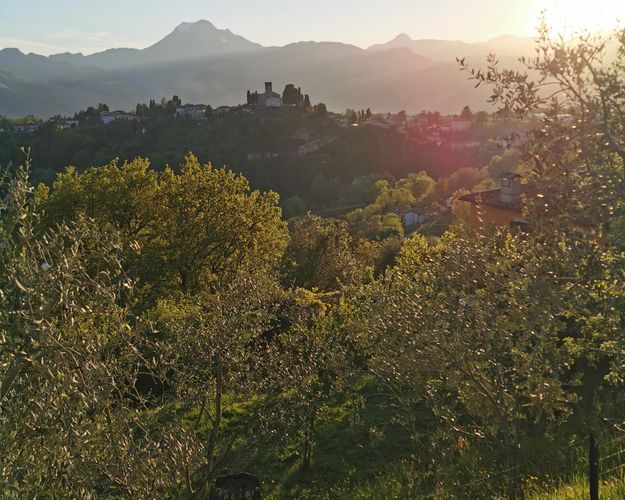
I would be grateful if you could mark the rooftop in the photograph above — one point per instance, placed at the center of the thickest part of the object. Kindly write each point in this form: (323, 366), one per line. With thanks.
(492, 198)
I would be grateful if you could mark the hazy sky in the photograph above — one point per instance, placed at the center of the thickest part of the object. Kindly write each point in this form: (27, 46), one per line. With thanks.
(50, 26)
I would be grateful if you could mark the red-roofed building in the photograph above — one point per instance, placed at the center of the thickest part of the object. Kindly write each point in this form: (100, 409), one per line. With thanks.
(498, 207)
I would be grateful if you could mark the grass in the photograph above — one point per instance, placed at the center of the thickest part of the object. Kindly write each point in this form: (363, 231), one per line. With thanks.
(358, 454)
(610, 489)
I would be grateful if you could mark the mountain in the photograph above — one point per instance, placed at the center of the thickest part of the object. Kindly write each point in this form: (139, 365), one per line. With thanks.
(449, 50)
(197, 40)
(202, 63)
(188, 41)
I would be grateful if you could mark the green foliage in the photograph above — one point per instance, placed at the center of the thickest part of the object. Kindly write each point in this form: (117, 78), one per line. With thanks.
(183, 231)
(319, 255)
(160, 328)
(69, 356)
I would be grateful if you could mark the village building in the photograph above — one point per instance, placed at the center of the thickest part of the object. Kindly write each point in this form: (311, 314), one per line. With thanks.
(30, 128)
(69, 123)
(498, 207)
(109, 117)
(416, 216)
(222, 110)
(64, 123)
(268, 99)
(192, 111)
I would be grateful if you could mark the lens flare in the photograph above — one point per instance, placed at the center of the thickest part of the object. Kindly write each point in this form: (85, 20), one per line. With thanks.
(568, 17)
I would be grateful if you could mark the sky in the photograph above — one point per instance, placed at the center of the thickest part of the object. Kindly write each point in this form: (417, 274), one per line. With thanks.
(53, 26)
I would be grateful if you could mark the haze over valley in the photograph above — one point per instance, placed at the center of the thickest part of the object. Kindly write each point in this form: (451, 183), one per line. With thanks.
(202, 63)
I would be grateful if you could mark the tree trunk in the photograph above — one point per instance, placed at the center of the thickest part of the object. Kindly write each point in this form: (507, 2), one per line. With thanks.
(308, 443)
(514, 486)
(214, 435)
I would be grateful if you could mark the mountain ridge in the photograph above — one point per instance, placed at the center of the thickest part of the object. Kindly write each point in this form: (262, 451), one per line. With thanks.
(203, 63)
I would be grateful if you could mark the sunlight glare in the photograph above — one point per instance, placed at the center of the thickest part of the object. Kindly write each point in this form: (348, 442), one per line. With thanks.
(568, 17)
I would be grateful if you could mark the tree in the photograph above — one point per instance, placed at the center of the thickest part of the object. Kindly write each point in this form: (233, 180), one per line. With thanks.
(466, 113)
(214, 224)
(291, 95)
(476, 374)
(294, 207)
(480, 340)
(189, 229)
(321, 109)
(121, 196)
(577, 157)
(215, 360)
(70, 354)
(319, 255)
(311, 363)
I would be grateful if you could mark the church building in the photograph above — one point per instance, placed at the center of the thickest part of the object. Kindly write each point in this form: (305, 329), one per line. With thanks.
(269, 99)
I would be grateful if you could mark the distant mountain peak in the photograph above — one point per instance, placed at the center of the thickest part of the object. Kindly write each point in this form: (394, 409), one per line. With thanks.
(12, 51)
(196, 40)
(188, 26)
(504, 37)
(403, 37)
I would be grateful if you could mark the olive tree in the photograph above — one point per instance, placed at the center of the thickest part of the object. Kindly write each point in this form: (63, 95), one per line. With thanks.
(71, 421)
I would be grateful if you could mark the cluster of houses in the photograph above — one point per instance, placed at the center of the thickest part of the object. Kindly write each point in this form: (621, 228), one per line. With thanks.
(450, 131)
(31, 128)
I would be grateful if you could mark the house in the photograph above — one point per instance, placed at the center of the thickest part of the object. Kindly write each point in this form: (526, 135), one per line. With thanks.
(64, 123)
(108, 118)
(498, 207)
(415, 216)
(27, 129)
(222, 110)
(68, 124)
(192, 111)
(268, 99)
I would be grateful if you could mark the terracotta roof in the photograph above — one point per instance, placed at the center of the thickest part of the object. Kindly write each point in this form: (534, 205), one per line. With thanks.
(492, 198)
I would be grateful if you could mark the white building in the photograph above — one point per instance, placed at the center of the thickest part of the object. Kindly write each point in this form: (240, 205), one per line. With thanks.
(108, 118)
(26, 129)
(416, 216)
(193, 111)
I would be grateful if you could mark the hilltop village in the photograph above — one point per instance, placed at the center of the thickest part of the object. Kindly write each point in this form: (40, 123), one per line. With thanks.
(317, 160)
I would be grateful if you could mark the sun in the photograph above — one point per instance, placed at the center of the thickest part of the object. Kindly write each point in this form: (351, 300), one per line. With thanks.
(568, 17)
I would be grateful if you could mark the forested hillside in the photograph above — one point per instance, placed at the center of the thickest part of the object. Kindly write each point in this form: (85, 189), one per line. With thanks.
(293, 151)
(163, 328)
